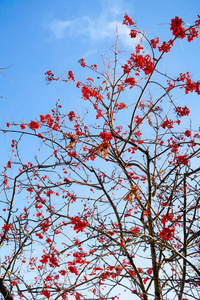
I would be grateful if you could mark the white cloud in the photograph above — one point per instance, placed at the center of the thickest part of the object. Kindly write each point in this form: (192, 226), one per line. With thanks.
(59, 27)
(96, 29)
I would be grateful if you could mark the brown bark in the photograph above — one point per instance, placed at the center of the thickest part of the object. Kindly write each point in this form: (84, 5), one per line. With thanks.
(4, 291)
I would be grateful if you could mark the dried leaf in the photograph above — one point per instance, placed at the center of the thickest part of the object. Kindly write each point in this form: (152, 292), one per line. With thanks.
(103, 147)
(106, 152)
(73, 141)
(134, 191)
(129, 197)
(149, 121)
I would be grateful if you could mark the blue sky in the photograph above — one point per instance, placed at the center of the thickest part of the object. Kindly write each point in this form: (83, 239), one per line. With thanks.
(37, 36)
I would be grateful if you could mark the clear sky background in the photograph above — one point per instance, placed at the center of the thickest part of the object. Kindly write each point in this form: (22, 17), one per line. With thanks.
(37, 36)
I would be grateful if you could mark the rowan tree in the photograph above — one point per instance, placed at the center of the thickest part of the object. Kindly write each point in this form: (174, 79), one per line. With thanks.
(111, 199)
